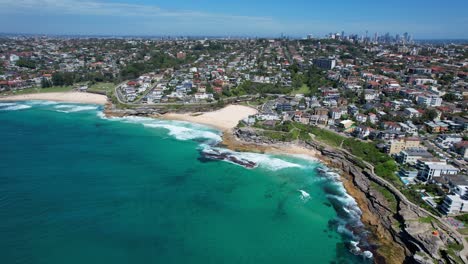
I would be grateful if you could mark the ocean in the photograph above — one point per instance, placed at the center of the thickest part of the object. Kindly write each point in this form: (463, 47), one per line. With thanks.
(76, 187)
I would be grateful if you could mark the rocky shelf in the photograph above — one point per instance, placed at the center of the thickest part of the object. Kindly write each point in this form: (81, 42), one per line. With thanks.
(397, 228)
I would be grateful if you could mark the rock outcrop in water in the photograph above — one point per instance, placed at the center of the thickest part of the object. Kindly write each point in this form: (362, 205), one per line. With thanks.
(213, 154)
(398, 230)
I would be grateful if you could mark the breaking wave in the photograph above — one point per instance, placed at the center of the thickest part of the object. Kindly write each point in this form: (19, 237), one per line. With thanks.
(13, 107)
(40, 102)
(6, 104)
(186, 133)
(348, 223)
(66, 108)
(265, 161)
(177, 129)
(305, 196)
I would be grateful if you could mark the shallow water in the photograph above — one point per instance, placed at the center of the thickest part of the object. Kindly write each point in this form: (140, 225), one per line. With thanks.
(78, 188)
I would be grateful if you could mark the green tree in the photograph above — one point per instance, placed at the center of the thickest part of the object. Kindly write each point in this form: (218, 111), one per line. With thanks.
(57, 79)
(449, 97)
(27, 63)
(429, 114)
(45, 83)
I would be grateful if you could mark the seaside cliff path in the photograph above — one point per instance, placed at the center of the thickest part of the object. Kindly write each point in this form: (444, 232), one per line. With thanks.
(383, 182)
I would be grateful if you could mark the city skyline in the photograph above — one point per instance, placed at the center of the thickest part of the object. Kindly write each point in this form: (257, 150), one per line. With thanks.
(424, 20)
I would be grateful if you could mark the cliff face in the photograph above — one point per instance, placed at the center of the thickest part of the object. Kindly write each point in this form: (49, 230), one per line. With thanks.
(397, 226)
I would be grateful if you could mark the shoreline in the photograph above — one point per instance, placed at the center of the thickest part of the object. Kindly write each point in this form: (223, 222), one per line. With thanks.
(224, 119)
(69, 97)
(379, 235)
(227, 118)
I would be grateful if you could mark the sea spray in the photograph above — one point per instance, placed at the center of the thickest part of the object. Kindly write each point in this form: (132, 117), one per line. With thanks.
(137, 188)
(264, 161)
(15, 107)
(305, 196)
(70, 108)
(348, 222)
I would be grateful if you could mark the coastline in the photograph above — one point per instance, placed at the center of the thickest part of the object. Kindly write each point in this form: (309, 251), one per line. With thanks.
(394, 252)
(224, 119)
(69, 97)
(227, 118)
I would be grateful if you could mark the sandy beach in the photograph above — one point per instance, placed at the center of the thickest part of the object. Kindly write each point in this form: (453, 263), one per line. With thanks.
(232, 142)
(227, 118)
(224, 119)
(70, 97)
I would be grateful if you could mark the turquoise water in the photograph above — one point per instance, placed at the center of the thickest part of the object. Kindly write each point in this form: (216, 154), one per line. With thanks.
(78, 188)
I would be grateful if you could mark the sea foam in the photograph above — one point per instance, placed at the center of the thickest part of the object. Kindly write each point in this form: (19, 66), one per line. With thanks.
(265, 161)
(6, 104)
(40, 102)
(15, 107)
(177, 129)
(349, 214)
(305, 196)
(75, 108)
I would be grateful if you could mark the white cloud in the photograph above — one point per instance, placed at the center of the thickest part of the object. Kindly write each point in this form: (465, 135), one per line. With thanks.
(113, 9)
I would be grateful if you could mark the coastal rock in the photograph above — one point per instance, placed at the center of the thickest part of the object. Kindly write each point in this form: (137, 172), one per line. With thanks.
(396, 225)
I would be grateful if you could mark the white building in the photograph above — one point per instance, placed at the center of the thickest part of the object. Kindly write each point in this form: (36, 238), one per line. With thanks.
(411, 112)
(422, 81)
(14, 58)
(431, 170)
(412, 155)
(447, 141)
(264, 117)
(454, 204)
(429, 100)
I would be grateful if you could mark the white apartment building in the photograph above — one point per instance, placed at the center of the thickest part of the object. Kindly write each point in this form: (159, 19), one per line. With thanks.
(454, 204)
(429, 100)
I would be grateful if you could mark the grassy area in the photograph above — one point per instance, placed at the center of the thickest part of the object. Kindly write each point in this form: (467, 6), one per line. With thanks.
(464, 231)
(463, 218)
(304, 89)
(426, 220)
(451, 251)
(101, 87)
(55, 89)
(387, 194)
(384, 165)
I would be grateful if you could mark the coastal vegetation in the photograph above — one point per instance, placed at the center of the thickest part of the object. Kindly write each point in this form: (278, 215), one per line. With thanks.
(104, 87)
(384, 165)
(158, 60)
(54, 89)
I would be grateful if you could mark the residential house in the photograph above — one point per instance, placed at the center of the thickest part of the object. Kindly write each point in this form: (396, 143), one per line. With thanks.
(411, 156)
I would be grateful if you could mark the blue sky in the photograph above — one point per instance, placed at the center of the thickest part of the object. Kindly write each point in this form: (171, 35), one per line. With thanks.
(422, 18)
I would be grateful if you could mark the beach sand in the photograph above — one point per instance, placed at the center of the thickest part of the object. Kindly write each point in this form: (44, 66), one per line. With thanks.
(71, 97)
(224, 119)
(232, 142)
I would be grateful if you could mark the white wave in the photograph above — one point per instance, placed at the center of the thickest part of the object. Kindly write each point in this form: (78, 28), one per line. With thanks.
(185, 133)
(263, 160)
(305, 196)
(75, 108)
(355, 249)
(40, 102)
(268, 162)
(368, 254)
(101, 115)
(6, 104)
(15, 107)
(64, 106)
(177, 129)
